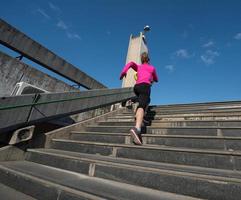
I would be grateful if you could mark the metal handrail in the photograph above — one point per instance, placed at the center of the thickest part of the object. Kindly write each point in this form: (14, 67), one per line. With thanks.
(53, 101)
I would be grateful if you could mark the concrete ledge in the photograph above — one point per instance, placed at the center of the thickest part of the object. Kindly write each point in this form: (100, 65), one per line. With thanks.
(14, 71)
(11, 153)
(18, 41)
(19, 111)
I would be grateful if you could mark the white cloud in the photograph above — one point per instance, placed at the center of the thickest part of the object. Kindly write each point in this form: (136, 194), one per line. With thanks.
(208, 44)
(43, 13)
(209, 57)
(69, 33)
(61, 24)
(183, 53)
(73, 35)
(54, 7)
(237, 36)
(170, 68)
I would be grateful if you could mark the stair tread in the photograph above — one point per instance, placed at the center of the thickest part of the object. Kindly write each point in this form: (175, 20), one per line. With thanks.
(156, 147)
(177, 127)
(9, 193)
(193, 171)
(195, 109)
(191, 112)
(97, 186)
(109, 164)
(223, 103)
(159, 135)
(166, 121)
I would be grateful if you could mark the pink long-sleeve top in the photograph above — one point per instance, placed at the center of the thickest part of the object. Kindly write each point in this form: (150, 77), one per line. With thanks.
(146, 73)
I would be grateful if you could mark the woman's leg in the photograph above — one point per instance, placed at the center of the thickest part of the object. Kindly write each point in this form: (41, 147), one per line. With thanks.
(139, 117)
(144, 100)
(143, 92)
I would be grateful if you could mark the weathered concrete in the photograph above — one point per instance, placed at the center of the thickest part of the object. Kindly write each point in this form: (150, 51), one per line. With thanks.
(218, 159)
(195, 142)
(9, 173)
(159, 123)
(217, 104)
(181, 159)
(66, 131)
(11, 194)
(87, 100)
(198, 131)
(148, 175)
(13, 71)
(11, 153)
(18, 41)
(39, 156)
(40, 188)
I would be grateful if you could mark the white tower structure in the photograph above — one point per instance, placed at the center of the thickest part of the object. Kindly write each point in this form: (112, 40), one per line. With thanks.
(137, 45)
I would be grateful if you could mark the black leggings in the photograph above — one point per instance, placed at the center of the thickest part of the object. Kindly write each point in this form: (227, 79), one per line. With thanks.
(143, 92)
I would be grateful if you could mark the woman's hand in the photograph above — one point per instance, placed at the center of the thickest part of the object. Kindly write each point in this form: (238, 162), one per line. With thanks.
(122, 75)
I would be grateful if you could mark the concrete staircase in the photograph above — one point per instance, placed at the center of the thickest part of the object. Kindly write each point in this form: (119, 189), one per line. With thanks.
(190, 151)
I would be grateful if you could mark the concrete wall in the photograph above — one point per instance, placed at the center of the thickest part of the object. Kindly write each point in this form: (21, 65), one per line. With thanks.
(21, 43)
(19, 111)
(13, 71)
(136, 47)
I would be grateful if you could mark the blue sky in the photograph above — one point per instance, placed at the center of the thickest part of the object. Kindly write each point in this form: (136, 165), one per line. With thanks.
(195, 45)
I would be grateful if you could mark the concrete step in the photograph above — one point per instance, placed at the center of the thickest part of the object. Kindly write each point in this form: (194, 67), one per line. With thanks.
(8, 193)
(205, 131)
(154, 114)
(214, 123)
(60, 158)
(186, 116)
(121, 118)
(221, 103)
(219, 159)
(106, 189)
(149, 176)
(198, 142)
(117, 138)
(20, 175)
(160, 111)
(197, 106)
